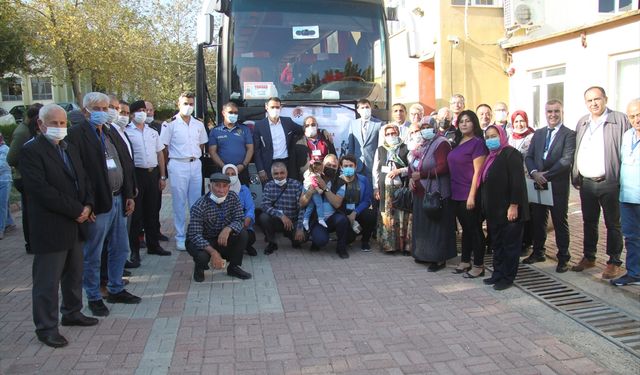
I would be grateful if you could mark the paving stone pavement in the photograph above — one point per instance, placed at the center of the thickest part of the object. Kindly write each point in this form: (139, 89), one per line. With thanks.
(302, 313)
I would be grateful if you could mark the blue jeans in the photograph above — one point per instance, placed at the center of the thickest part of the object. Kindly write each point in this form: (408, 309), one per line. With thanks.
(630, 216)
(5, 212)
(111, 225)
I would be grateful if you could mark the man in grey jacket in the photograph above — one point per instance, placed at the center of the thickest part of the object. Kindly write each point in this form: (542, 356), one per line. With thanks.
(596, 173)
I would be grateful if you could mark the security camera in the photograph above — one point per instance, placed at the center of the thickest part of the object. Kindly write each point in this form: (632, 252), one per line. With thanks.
(453, 40)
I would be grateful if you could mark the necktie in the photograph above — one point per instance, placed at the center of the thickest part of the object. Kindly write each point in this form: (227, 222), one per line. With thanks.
(548, 141)
(63, 156)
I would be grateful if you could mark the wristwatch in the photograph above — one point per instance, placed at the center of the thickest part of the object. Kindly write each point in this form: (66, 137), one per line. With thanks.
(163, 178)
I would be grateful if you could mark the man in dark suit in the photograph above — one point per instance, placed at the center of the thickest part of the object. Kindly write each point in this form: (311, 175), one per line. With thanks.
(274, 140)
(157, 126)
(60, 201)
(549, 159)
(111, 175)
(363, 138)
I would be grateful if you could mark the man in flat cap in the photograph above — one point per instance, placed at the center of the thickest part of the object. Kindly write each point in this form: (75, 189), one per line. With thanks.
(216, 232)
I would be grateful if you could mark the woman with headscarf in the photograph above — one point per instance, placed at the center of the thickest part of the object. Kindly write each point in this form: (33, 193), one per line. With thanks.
(390, 168)
(504, 204)
(433, 238)
(247, 205)
(520, 139)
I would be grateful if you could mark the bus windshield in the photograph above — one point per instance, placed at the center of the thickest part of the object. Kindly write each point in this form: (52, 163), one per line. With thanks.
(321, 50)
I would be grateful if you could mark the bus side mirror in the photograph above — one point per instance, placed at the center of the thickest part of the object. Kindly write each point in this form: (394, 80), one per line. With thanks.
(392, 13)
(219, 6)
(206, 26)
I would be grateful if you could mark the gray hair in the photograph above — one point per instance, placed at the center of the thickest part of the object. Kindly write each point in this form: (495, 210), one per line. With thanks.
(278, 164)
(417, 106)
(94, 97)
(46, 110)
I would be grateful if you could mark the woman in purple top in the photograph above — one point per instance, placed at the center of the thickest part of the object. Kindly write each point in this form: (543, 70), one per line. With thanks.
(465, 163)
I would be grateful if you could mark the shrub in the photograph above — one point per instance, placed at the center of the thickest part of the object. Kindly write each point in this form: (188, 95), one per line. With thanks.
(7, 132)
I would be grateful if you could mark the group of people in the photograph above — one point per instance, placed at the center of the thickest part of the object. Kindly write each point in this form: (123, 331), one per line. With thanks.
(90, 190)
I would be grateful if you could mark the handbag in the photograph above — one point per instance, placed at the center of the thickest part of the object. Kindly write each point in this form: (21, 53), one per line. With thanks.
(403, 199)
(432, 202)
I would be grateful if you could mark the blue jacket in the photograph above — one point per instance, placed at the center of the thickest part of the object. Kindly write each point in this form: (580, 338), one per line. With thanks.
(366, 195)
(247, 205)
(365, 148)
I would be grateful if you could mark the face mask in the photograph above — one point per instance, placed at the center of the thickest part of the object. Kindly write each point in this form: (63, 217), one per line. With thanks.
(329, 172)
(274, 113)
(500, 116)
(234, 179)
(56, 134)
(233, 117)
(427, 134)
(98, 118)
(280, 182)
(186, 110)
(113, 115)
(218, 200)
(122, 121)
(493, 143)
(365, 113)
(139, 117)
(148, 120)
(311, 131)
(392, 140)
(348, 171)
(520, 131)
(445, 124)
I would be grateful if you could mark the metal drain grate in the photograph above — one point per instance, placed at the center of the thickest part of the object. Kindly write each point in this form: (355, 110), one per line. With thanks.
(618, 327)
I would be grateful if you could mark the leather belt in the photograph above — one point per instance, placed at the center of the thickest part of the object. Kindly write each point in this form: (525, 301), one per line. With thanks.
(185, 160)
(595, 179)
(147, 169)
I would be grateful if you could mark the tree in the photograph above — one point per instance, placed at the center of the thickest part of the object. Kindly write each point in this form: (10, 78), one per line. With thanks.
(13, 51)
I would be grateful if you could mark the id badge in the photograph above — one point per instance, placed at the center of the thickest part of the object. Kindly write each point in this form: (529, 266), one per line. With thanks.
(385, 169)
(316, 153)
(111, 164)
(416, 164)
(351, 206)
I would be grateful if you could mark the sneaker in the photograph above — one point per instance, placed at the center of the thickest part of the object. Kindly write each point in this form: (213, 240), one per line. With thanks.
(625, 279)
(322, 222)
(305, 224)
(123, 297)
(180, 246)
(584, 264)
(98, 308)
(365, 247)
(356, 227)
(611, 272)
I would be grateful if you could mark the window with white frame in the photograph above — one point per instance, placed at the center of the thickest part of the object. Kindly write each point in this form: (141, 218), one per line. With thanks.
(11, 89)
(546, 84)
(41, 88)
(615, 6)
(478, 3)
(624, 73)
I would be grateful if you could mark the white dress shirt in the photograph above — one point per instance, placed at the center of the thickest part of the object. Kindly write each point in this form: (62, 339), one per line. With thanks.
(146, 145)
(279, 140)
(184, 139)
(590, 156)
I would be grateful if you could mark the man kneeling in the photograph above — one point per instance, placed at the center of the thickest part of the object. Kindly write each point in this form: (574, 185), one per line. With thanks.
(215, 231)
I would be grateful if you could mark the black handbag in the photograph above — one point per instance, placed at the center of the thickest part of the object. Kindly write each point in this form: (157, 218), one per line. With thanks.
(403, 199)
(432, 202)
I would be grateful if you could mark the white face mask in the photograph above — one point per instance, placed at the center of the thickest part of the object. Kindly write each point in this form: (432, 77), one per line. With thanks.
(139, 117)
(186, 110)
(365, 113)
(500, 116)
(122, 121)
(274, 113)
(113, 115)
(234, 179)
(311, 131)
(148, 120)
(280, 182)
(56, 134)
(217, 200)
(392, 140)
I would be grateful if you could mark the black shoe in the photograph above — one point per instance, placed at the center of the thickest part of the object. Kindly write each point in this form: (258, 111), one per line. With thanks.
(131, 264)
(98, 308)
(271, 247)
(162, 237)
(490, 281)
(80, 320)
(531, 259)
(435, 267)
(502, 285)
(343, 254)
(54, 340)
(562, 267)
(158, 251)
(252, 251)
(123, 297)
(198, 274)
(126, 273)
(236, 271)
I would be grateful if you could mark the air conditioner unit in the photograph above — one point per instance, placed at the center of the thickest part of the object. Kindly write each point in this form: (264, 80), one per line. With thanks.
(523, 13)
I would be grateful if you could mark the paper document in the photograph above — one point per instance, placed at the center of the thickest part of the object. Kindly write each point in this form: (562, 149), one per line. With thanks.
(544, 197)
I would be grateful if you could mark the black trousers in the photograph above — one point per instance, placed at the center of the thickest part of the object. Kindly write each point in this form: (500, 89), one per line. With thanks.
(593, 197)
(146, 214)
(232, 253)
(52, 271)
(539, 219)
(271, 225)
(472, 237)
(367, 219)
(251, 238)
(507, 243)
(25, 213)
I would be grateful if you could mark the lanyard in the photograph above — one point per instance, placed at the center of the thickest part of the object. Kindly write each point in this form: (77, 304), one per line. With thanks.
(100, 135)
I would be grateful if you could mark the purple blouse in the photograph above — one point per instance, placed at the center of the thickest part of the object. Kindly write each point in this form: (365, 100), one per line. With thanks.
(460, 161)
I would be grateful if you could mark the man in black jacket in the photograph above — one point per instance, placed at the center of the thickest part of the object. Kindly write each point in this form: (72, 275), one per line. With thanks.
(60, 202)
(112, 182)
(549, 159)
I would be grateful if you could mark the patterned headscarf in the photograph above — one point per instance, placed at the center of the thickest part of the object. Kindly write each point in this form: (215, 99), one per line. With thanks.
(493, 153)
(392, 150)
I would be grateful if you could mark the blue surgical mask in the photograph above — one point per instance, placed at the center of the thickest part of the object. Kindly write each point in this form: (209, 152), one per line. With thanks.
(233, 117)
(392, 140)
(348, 171)
(427, 134)
(493, 143)
(98, 118)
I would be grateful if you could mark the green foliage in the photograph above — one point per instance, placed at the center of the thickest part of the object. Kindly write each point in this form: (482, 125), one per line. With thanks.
(165, 113)
(13, 50)
(7, 132)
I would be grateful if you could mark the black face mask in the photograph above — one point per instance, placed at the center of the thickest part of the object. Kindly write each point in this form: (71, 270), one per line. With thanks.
(329, 172)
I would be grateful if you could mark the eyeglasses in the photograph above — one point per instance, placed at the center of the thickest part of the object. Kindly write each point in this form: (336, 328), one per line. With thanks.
(312, 124)
(634, 116)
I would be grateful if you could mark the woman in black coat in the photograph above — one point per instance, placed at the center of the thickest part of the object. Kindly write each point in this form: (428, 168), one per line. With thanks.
(504, 204)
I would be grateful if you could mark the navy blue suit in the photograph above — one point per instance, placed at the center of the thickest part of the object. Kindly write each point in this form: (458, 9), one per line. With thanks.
(263, 145)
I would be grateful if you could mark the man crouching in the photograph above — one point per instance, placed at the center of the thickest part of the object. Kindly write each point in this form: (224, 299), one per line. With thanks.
(215, 231)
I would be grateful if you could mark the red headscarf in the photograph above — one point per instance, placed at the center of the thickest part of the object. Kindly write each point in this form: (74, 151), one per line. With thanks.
(493, 153)
(529, 130)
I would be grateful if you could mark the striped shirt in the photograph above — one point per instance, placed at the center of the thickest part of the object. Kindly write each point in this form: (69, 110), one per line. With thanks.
(278, 203)
(209, 218)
